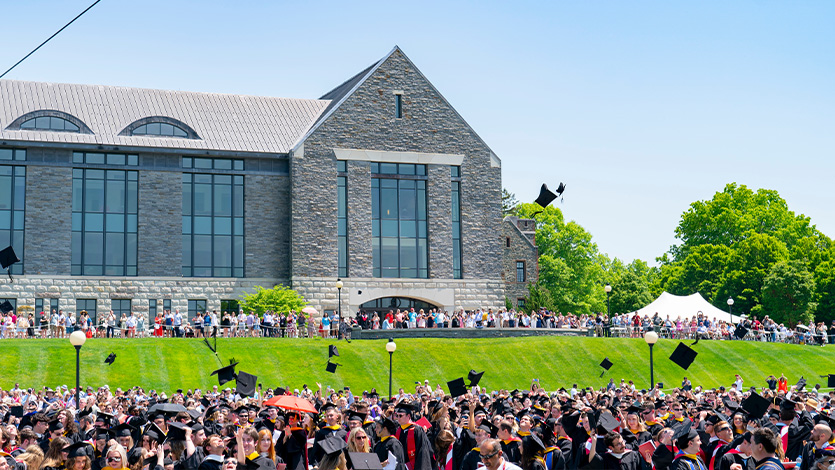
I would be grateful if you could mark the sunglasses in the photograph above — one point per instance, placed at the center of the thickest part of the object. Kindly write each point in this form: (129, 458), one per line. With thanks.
(489, 456)
(723, 429)
(114, 459)
(361, 438)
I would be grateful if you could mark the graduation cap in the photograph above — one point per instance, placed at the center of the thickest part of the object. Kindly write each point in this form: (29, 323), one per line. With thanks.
(332, 351)
(55, 425)
(730, 404)
(122, 430)
(206, 403)
(16, 411)
(110, 359)
(8, 258)
(332, 444)
(830, 380)
(331, 367)
(326, 406)
(6, 307)
(245, 384)
(533, 443)
(456, 387)
(684, 434)
(755, 405)
(800, 384)
(474, 377)
(389, 424)
(407, 407)
(740, 332)
(364, 461)
(546, 196)
(606, 365)
(715, 418)
(683, 356)
(225, 373)
(80, 449)
(604, 422)
(176, 432)
(155, 433)
(356, 416)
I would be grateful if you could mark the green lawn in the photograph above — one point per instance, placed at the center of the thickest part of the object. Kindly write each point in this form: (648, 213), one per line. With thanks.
(169, 364)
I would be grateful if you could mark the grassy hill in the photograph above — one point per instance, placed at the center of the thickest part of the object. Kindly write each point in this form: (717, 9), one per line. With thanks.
(169, 364)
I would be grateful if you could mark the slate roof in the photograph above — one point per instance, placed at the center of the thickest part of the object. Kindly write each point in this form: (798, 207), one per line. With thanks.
(224, 122)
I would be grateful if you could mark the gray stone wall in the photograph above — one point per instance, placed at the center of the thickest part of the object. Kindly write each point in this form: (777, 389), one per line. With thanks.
(366, 120)
(267, 226)
(439, 215)
(361, 257)
(48, 220)
(521, 249)
(160, 223)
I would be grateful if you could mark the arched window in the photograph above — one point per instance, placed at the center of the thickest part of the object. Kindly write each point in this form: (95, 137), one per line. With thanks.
(160, 129)
(160, 126)
(49, 120)
(49, 123)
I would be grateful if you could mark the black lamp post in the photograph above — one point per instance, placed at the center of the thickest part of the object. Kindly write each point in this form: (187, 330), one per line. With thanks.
(651, 338)
(730, 308)
(338, 307)
(390, 347)
(77, 339)
(608, 290)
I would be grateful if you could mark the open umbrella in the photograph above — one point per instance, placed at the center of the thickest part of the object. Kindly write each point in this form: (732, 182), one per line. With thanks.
(168, 408)
(288, 402)
(310, 310)
(803, 327)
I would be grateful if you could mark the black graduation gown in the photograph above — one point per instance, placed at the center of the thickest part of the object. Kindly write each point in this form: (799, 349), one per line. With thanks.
(633, 440)
(262, 461)
(662, 458)
(628, 461)
(461, 447)
(686, 463)
(512, 450)
(731, 458)
(390, 444)
(316, 450)
(564, 443)
(293, 451)
(554, 458)
(210, 464)
(423, 448)
(471, 460)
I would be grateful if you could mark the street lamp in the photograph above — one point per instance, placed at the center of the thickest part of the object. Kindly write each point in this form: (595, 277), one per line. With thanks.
(651, 338)
(730, 307)
(338, 307)
(608, 290)
(390, 347)
(77, 339)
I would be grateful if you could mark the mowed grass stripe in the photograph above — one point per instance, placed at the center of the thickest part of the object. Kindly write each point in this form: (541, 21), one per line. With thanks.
(170, 363)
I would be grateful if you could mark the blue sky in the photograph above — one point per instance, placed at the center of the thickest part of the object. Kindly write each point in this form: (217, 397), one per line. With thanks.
(639, 107)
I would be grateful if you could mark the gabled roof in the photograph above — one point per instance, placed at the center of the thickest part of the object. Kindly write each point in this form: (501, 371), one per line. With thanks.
(224, 122)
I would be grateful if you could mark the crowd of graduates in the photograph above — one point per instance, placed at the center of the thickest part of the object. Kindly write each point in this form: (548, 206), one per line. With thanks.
(458, 427)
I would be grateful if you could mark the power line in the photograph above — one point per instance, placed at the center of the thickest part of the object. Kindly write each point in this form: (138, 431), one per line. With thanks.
(48, 39)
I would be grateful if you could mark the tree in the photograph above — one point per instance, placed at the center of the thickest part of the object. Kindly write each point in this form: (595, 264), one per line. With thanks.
(538, 297)
(509, 203)
(630, 285)
(824, 295)
(743, 278)
(787, 293)
(279, 299)
(702, 271)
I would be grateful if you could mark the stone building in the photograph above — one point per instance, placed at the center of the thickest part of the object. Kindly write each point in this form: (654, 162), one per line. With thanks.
(520, 258)
(143, 200)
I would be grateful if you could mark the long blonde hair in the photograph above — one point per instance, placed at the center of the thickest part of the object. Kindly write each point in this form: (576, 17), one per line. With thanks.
(365, 447)
(32, 457)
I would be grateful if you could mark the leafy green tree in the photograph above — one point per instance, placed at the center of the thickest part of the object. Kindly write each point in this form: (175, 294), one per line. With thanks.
(509, 203)
(824, 296)
(751, 262)
(538, 296)
(279, 299)
(630, 285)
(787, 293)
(702, 271)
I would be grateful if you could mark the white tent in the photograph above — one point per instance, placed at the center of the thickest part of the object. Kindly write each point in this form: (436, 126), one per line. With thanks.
(684, 306)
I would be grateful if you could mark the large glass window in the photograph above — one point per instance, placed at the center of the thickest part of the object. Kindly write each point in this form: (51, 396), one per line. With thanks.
(152, 309)
(49, 123)
(213, 225)
(520, 271)
(160, 129)
(342, 216)
(12, 204)
(455, 176)
(120, 306)
(398, 218)
(230, 306)
(196, 305)
(88, 305)
(104, 224)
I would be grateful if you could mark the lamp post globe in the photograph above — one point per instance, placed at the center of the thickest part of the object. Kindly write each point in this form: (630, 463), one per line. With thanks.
(339, 285)
(391, 346)
(730, 309)
(77, 339)
(651, 338)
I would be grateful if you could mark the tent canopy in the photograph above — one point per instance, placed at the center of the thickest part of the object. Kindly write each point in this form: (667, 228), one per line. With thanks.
(684, 306)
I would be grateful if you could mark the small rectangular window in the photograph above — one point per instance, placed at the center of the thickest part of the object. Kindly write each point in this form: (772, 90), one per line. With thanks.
(520, 303)
(520, 271)
(398, 106)
(507, 241)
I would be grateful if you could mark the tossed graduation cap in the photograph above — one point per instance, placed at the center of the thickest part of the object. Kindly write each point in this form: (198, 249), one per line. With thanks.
(110, 359)
(16, 411)
(80, 449)
(332, 351)
(245, 384)
(683, 356)
(606, 365)
(8, 258)
(800, 384)
(176, 432)
(830, 380)
(6, 307)
(546, 196)
(364, 461)
(457, 387)
(225, 373)
(605, 423)
(332, 444)
(331, 367)
(474, 377)
(755, 405)
(740, 332)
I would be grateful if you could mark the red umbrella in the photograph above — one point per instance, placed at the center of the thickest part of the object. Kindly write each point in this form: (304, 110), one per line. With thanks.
(291, 403)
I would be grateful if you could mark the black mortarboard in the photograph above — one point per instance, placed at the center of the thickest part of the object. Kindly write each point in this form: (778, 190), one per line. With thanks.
(740, 332)
(683, 355)
(830, 381)
(364, 461)
(456, 387)
(715, 418)
(245, 384)
(194, 413)
(8, 257)
(546, 196)
(356, 416)
(16, 411)
(331, 367)
(80, 449)
(6, 307)
(122, 430)
(109, 360)
(155, 433)
(755, 405)
(534, 443)
(606, 365)
(787, 404)
(474, 377)
(604, 422)
(388, 423)
(332, 444)
(405, 406)
(102, 434)
(731, 404)
(683, 435)
(225, 374)
(332, 351)
(176, 432)
(800, 384)
(635, 408)
(326, 406)
(55, 425)
(206, 403)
